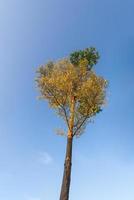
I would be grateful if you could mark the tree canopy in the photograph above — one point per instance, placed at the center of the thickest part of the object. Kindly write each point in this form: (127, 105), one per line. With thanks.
(73, 78)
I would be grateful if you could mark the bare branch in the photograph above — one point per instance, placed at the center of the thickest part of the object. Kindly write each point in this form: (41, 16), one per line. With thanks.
(80, 125)
(66, 117)
(86, 117)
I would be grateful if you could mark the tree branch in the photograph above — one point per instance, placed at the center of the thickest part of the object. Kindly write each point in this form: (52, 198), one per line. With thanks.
(62, 106)
(80, 125)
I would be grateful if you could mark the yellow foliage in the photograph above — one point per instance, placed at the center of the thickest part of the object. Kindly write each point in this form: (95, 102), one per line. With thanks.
(59, 82)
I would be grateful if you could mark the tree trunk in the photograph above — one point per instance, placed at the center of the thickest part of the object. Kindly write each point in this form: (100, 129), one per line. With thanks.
(68, 159)
(67, 171)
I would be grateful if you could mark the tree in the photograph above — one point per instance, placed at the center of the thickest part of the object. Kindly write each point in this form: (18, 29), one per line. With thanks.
(73, 89)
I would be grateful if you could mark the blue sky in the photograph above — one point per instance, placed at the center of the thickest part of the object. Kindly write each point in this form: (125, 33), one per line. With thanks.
(31, 154)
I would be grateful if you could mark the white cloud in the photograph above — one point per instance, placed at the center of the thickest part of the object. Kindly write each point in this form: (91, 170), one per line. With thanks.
(45, 158)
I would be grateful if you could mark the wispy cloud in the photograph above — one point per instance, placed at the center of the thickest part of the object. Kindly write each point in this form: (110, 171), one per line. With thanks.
(45, 158)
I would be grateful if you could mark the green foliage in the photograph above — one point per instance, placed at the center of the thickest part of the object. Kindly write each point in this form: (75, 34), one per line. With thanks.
(90, 54)
(69, 78)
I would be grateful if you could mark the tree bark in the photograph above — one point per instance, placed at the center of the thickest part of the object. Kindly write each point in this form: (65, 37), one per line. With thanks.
(68, 158)
(67, 171)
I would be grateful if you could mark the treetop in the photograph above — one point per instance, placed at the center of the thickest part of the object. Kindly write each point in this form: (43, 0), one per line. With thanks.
(90, 54)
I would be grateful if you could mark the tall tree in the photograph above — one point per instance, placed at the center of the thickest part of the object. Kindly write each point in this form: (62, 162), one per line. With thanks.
(73, 89)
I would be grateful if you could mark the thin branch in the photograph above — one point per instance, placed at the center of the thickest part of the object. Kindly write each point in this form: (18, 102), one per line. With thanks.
(78, 122)
(66, 116)
(83, 120)
(86, 116)
(80, 125)
(62, 107)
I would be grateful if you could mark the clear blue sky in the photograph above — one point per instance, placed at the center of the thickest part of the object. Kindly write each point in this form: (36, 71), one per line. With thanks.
(31, 154)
